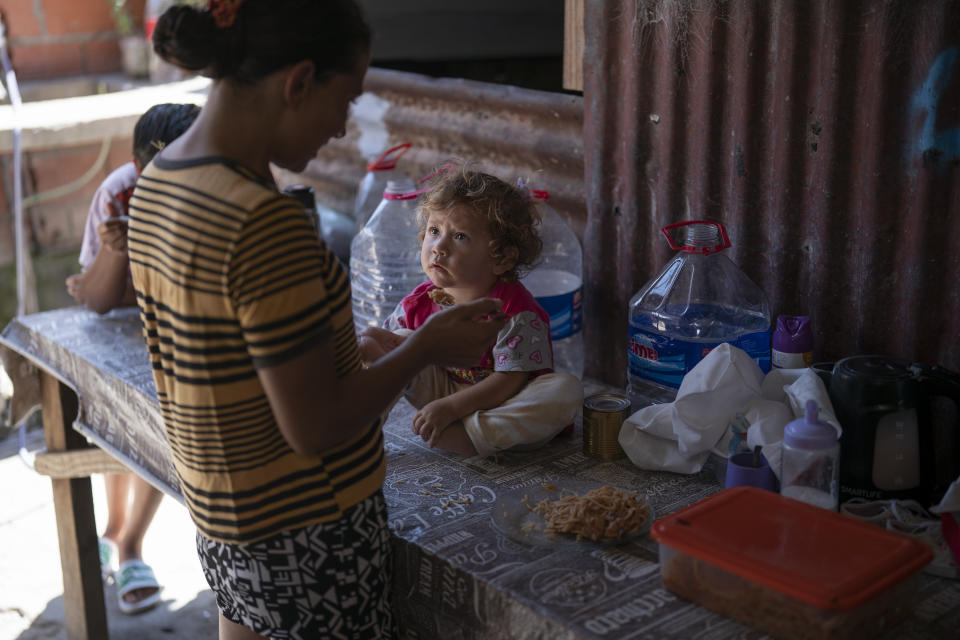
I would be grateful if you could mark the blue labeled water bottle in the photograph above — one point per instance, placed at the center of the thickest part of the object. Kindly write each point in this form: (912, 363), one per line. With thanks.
(698, 301)
(557, 283)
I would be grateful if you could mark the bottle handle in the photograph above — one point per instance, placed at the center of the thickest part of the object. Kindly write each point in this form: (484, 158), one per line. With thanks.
(387, 160)
(438, 172)
(724, 240)
(407, 195)
(410, 195)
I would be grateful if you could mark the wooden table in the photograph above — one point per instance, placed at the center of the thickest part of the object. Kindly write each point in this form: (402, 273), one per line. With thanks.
(456, 574)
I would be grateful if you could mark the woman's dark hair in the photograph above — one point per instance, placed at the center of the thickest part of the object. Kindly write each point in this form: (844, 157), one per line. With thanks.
(265, 35)
(159, 126)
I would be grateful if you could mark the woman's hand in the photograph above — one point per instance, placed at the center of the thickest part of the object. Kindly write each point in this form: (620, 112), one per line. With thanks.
(460, 335)
(296, 387)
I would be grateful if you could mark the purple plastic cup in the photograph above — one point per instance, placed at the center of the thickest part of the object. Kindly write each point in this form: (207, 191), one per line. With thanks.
(741, 471)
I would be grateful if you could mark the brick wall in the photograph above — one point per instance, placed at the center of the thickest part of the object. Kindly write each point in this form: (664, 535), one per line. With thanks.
(54, 38)
(56, 225)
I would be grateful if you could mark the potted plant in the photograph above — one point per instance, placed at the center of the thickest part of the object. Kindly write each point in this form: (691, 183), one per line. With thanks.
(134, 46)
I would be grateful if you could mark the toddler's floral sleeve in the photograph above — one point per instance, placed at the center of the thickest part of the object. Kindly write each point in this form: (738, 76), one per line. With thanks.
(523, 345)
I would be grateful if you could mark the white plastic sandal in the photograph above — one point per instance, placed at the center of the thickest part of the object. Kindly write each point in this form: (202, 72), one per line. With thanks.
(133, 575)
(109, 557)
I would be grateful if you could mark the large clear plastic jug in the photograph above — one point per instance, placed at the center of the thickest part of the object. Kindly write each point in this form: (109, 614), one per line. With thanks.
(335, 228)
(556, 281)
(379, 173)
(698, 301)
(385, 256)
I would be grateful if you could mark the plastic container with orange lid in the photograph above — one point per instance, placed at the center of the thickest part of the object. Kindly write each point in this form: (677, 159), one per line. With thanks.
(788, 568)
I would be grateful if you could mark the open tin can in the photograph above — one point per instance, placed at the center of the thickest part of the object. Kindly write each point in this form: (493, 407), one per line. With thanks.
(603, 415)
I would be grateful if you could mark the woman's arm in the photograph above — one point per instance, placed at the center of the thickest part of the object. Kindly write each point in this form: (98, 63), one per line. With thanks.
(490, 392)
(315, 409)
(374, 343)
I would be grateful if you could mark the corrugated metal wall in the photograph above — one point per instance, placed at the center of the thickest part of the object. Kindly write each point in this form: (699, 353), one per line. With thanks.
(824, 134)
(508, 131)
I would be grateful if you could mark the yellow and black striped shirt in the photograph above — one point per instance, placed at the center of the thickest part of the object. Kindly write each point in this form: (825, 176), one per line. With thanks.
(231, 276)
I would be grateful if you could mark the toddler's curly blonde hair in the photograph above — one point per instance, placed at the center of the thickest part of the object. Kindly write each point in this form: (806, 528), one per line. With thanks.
(512, 217)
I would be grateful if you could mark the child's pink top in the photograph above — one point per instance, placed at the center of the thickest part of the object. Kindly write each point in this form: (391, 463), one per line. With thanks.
(522, 345)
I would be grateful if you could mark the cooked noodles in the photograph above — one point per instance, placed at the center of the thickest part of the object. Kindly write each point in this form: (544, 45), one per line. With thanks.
(606, 513)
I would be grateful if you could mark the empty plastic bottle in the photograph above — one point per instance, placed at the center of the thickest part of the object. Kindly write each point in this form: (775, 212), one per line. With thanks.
(335, 228)
(385, 256)
(379, 173)
(337, 231)
(557, 283)
(303, 194)
(698, 301)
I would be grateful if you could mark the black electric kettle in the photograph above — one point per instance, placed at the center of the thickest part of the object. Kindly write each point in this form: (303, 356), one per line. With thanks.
(901, 428)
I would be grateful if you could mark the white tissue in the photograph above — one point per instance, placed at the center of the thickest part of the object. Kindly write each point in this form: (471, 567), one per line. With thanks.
(725, 404)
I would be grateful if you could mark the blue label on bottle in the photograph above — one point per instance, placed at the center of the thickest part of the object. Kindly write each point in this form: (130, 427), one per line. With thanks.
(565, 311)
(666, 360)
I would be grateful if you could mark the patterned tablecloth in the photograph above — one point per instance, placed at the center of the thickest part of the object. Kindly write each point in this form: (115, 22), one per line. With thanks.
(457, 574)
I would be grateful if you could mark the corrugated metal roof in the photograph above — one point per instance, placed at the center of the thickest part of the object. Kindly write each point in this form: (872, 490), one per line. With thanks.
(825, 135)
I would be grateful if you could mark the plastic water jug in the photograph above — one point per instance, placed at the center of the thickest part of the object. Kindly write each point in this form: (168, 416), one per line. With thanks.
(379, 173)
(335, 228)
(556, 281)
(304, 194)
(385, 256)
(698, 301)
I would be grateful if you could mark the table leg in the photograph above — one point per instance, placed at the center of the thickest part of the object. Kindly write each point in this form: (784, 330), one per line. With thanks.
(84, 610)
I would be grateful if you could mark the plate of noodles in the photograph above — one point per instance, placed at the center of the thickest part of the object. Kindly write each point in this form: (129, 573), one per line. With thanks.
(574, 512)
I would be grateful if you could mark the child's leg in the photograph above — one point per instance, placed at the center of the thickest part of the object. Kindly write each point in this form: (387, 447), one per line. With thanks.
(143, 506)
(455, 440)
(117, 487)
(529, 419)
(145, 502)
(432, 383)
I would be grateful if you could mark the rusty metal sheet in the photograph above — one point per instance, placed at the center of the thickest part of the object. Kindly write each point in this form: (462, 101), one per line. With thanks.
(824, 134)
(508, 131)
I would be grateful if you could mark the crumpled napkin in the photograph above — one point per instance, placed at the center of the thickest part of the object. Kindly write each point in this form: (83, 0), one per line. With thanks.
(725, 404)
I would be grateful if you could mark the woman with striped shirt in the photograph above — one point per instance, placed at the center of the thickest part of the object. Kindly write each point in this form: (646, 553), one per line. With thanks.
(274, 426)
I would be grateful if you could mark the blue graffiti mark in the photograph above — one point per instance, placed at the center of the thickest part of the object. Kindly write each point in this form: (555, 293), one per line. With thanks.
(936, 147)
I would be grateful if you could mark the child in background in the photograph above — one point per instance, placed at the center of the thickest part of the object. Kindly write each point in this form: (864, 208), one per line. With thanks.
(104, 284)
(478, 234)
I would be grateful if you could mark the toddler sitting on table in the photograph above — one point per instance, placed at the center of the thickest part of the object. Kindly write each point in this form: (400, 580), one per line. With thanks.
(478, 234)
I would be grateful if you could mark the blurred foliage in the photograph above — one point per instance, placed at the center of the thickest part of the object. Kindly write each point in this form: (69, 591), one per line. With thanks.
(122, 17)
